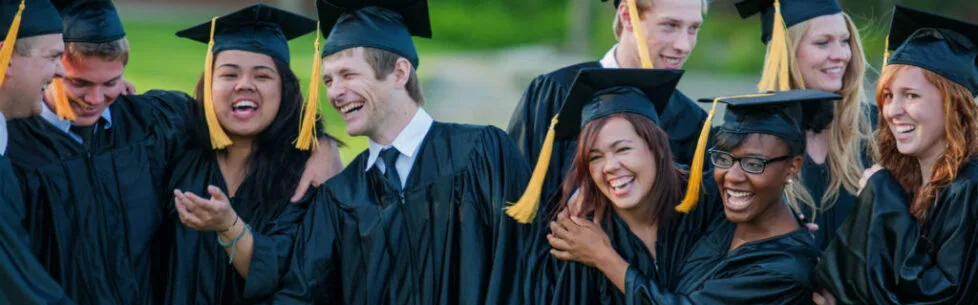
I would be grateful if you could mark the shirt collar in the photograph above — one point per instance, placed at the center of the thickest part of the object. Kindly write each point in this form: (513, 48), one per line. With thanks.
(609, 61)
(65, 125)
(407, 142)
(3, 134)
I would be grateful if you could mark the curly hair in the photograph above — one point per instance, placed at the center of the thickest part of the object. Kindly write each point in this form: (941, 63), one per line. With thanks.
(960, 132)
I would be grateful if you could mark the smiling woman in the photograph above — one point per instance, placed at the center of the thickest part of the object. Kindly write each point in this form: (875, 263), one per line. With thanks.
(247, 220)
(626, 184)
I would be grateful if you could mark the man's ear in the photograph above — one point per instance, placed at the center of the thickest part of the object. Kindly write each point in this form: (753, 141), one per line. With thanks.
(402, 72)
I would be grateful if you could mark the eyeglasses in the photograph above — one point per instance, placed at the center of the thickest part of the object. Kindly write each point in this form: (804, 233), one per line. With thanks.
(753, 165)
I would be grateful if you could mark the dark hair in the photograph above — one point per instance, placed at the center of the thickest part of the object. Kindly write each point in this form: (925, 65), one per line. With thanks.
(728, 141)
(669, 179)
(276, 165)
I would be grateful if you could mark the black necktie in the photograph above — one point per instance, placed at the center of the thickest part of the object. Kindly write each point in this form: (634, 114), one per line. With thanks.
(390, 158)
(85, 133)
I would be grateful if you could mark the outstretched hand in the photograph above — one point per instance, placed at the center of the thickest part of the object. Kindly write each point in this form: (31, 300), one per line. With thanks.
(214, 214)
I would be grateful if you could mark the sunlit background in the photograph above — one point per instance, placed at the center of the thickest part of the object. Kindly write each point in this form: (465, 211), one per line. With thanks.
(485, 52)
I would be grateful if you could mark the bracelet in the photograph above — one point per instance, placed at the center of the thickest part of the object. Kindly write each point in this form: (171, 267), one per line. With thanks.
(233, 242)
(232, 224)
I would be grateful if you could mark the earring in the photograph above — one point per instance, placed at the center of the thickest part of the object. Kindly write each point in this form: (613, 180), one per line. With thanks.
(790, 180)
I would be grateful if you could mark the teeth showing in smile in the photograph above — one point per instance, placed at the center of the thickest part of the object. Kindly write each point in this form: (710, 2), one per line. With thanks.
(245, 104)
(671, 60)
(736, 194)
(350, 108)
(619, 182)
(833, 70)
(904, 128)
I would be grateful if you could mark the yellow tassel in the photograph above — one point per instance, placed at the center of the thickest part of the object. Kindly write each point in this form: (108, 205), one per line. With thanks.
(525, 209)
(61, 105)
(886, 51)
(8, 44)
(643, 50)
(775, 75)
(307, 129)
(219, 139)
(696, 169)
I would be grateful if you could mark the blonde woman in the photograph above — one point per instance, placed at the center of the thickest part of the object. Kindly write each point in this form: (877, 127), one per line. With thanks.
(820, 49)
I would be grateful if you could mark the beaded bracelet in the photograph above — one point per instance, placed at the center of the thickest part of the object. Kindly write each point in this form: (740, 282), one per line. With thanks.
(233, 242)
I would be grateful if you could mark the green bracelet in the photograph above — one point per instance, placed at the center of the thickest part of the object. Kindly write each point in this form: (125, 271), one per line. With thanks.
(233, 242)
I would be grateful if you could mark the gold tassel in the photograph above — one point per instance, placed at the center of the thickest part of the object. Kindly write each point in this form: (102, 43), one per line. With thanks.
(696, 169)
(525, 209)
(886, 51)
(61, 105)
(775, 75)
(219, 139)
(643, 49)
(8, 44)
(307, 129)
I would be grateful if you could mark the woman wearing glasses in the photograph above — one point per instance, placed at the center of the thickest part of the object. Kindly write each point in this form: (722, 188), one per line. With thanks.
(760, 253)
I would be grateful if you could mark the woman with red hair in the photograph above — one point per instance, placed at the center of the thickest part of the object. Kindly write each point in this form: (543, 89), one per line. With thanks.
(911, 238)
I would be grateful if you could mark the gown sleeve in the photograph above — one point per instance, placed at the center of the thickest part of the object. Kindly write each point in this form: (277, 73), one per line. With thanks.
(756, 285)
(882, 256)
(502, 175)
(312, 272)
(271, 253)
(22, 277)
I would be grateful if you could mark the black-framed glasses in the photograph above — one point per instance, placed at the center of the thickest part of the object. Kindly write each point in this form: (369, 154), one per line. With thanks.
(753, 165)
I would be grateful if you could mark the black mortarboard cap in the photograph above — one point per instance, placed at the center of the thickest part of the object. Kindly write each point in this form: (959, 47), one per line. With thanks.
(775, 113)
(94, 21)
(946, 46)
(39, 18)
(793, 11)
(380, 24)
(257, 28)
(597, 93)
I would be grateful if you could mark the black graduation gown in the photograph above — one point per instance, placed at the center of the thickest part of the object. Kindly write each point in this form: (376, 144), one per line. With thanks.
(777, 270)
(681, 119)
(816, 179)
(22, 278)
(554, 281)
(882, 254)
(93, 214)
(199, 269)
(444, 240)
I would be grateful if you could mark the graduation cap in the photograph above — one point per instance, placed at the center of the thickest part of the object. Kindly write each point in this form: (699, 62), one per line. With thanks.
(257, 28)
(776, 17)
(94, 21)
(939, 44)
(22, 19)
(380, 24)
(776, 113)
(597, 93)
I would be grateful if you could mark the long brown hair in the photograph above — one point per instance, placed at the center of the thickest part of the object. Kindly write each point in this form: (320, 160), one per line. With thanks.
(960, 133)
(669, 179)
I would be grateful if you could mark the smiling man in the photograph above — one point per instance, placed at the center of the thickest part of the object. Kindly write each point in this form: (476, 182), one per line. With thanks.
(33, 64)
(418, 217)
(670, 28)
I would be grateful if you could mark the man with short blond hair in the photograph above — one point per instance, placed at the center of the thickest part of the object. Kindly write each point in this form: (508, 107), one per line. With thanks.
(670, 27)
